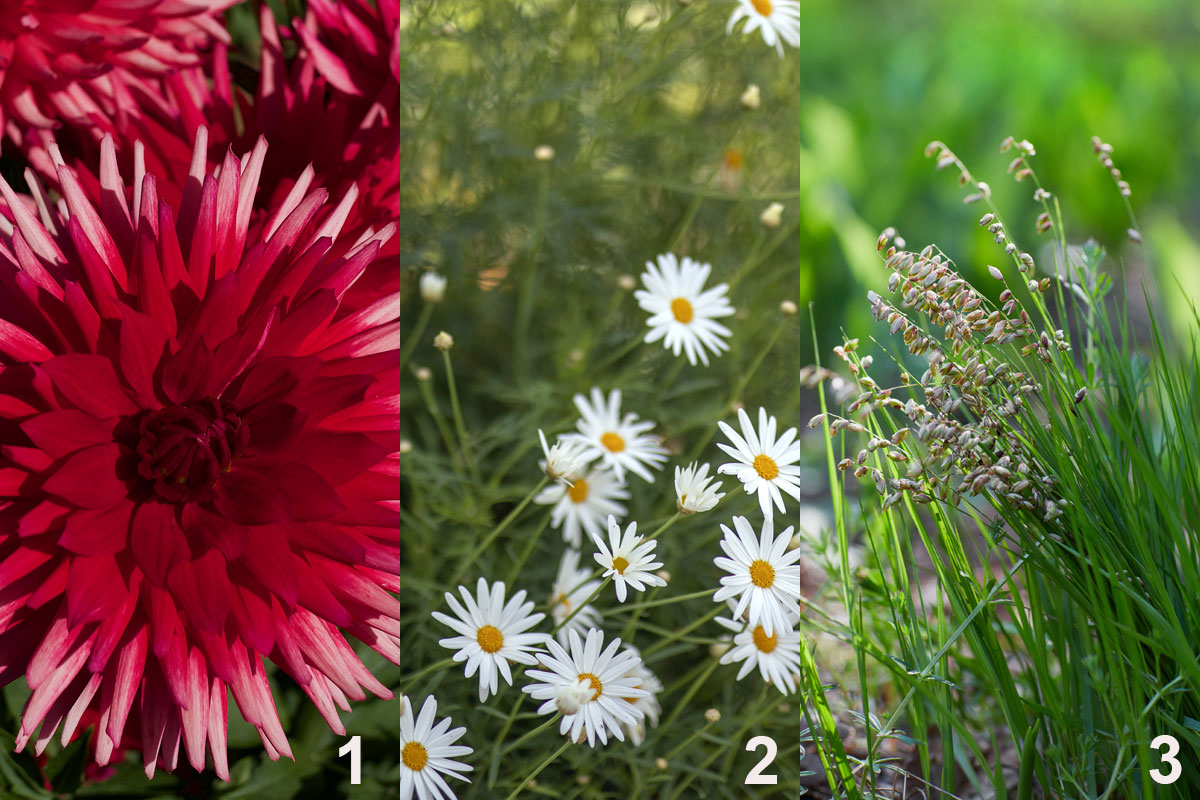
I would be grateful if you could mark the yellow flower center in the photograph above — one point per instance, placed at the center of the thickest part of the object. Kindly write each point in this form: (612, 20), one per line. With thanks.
(766, 468)
(733, 158)
(763, 642)
(613, 442)
(762, 574)
(414, 756)
(596, 685)
(490, 639)
(562, 598)
(578, 492)
(619, 564)
(762, 6)
(682, 310)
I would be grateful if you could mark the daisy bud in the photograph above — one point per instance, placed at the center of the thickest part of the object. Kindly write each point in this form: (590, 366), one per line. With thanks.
(718, 649)
(405, 446)
(543, 152)
(433, 287)
(661, 764)
(771, 216)
(664, 575)
(583, 780)
(569, 698)
(751, 97)
(789, 308)
(713, 716)
(627, 282)
(424, 373)
(443, 341)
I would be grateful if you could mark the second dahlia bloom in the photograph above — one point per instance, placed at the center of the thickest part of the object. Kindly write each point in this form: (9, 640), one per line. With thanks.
(87, 64)
(198, 438)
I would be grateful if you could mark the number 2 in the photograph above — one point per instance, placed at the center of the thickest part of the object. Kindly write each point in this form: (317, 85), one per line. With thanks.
(354, 748)
(756, 778)
(1172, 749)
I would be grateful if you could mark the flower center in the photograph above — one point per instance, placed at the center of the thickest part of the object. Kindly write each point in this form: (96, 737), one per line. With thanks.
(762, 6)
(763, 642)
(414, 756)
(620, 564)
(766, 468)
(183, 450)
(762, 574)
(613, 442)
(490, 639)
(596, 685)
(682, 310)
(579, 492)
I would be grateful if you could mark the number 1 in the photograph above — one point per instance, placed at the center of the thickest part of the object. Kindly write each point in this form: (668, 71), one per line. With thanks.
(354, 748)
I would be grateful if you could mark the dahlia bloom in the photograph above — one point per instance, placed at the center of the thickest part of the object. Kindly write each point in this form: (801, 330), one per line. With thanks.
(341, 92)
(198, 458)
(86, 63)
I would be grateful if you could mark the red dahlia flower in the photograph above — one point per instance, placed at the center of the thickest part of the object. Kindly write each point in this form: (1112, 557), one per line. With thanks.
(198, 437)
(331, 112)
(87, 62)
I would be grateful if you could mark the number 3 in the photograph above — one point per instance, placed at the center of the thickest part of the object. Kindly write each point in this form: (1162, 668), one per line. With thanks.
(1172, 746)
(756, 778)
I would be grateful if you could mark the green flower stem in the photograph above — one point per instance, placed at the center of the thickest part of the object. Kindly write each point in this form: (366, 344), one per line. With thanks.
(666, 601)
(416, 333)
(741, 386)
(497, 750)
(685, 630)
(528, 551)
(529, 281)
(664, 527)
(538, 770)
(582, 605)
(459, 425)
(687, 697)
(439, 419)
(491, 537)
(445, 663)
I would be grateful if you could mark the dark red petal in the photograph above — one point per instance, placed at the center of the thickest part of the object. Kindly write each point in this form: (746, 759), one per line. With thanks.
(338, 457)
(98, 532)
(57, 433)
(272, 562)
(90, 384)
(89, 478)
(91, 597)
(201, 527)
(259, 491)
(201, 588)
(157, 543)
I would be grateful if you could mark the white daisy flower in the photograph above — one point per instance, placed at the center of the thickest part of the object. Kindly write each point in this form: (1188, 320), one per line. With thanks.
(622, 442)
(777, 655)
(564, 459)
(611, 705)
(590, 499)
(764, 575)
(427, 752)
(764, 464)
(491, 633)
(573, 586)
(649, 704)
(692, 491)
(681, 312)
(628, 559)
(778, 19)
